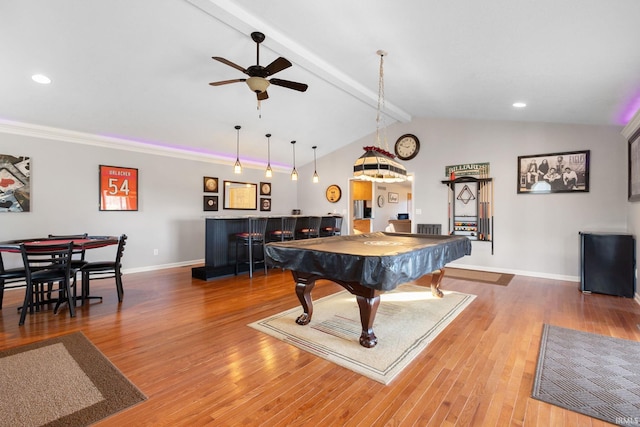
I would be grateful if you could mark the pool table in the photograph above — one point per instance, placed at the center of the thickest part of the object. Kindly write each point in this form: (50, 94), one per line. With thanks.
(365, 265)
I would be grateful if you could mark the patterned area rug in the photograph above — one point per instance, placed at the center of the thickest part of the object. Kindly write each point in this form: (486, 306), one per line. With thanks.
(63, 381)
(408, 319)
(591, 374)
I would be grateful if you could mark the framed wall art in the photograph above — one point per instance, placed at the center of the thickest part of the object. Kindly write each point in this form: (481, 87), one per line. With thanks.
(566, 172)
(240, 195)
(15, 183)
(265, 204)
(210, 185)
(265, 188)
(118, 188)
(393, 197)
(634, 167)
(210, 203)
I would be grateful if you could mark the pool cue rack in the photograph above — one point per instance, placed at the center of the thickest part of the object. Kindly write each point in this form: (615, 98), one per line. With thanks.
(470, 208)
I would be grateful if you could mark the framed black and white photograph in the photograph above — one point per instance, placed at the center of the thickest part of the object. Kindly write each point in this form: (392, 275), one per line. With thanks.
(566, 172)
(393, 197)
(210, 203)
(634, 168)
(265, 204)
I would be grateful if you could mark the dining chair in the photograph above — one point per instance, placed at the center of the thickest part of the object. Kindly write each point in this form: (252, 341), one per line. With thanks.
(78, 254)
(252, 240)
(10, 278)
(104, 270)
(47, 264)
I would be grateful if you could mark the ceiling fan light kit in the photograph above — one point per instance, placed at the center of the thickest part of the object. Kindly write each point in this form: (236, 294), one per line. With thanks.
(257, 84)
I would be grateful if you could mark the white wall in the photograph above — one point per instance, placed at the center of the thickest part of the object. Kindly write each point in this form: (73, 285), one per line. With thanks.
(534, 234)
(170, 216)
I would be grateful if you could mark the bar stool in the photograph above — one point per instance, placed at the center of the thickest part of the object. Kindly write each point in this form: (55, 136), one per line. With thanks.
(252, 239)
(311, 229)
(287, 230)
(332, 227)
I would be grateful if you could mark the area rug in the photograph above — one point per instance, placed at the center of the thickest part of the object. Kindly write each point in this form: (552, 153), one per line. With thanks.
(501, 279)
(63, 381)
(408, 319)
(595, 375)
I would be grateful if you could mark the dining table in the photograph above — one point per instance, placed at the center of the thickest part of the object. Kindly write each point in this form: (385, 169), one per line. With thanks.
(79, 244)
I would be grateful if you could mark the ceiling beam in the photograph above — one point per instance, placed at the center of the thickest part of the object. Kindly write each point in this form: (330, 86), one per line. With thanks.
(229, 13)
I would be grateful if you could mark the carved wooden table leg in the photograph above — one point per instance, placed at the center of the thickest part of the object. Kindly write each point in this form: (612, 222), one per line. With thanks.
(304, 286)
(368, 310)
(436, 278)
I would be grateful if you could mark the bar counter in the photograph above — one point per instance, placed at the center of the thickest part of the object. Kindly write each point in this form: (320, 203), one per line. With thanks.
(219, 253)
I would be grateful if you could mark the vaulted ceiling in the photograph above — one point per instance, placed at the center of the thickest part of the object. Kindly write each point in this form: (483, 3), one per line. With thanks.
(137, 71)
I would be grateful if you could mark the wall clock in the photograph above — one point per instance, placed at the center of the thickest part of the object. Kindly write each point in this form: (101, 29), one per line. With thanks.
(380, 201)
(407, 147)
(333, 193)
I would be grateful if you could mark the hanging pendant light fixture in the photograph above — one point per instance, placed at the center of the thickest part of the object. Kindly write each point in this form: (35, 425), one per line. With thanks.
(377, 163)
(316, 178)
(294, 172)
(237, 168)
(269, 172)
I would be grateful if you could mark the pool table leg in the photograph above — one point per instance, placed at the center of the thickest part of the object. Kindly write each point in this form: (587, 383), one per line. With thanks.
(304, 286)
(436, 278)
(368, 309)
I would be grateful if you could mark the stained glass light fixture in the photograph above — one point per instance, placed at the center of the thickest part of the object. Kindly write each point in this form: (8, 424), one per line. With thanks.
(377, 163)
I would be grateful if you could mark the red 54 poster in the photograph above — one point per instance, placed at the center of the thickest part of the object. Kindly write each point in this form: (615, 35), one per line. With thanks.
(118, 188)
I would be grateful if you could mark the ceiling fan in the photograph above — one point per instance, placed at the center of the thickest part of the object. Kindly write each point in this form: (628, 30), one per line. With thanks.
(258, 74)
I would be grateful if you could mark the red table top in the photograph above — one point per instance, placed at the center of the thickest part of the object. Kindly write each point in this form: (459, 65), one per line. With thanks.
(91, 242)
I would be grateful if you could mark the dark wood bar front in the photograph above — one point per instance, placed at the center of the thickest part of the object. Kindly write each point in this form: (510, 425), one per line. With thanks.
(219, 254)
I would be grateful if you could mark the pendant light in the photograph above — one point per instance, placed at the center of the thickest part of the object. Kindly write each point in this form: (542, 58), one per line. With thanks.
(237, 168)
(294, 172)
(377, 163)
(269, 172)
(316, 178)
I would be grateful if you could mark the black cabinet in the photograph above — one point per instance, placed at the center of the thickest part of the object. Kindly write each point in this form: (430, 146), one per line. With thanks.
(607, 264)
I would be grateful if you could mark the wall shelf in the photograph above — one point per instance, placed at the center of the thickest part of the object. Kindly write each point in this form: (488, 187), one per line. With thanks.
(470, 206)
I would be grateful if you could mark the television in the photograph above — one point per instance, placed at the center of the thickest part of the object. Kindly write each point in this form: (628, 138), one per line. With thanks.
(403, 216)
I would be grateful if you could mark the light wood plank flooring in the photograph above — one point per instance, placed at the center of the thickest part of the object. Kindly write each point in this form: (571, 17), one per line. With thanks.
(185, 344)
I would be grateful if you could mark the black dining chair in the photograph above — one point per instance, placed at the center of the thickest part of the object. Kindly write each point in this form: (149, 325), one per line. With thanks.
(104, 270)
(47, 264)
(10, 278)
(78, 254)
(252, 241)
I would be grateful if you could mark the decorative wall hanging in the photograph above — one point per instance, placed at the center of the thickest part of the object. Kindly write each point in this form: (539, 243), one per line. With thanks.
(210, 185)
(210, 203)
(15, 183)
(566, 172)
(265, 188)
(265, 204)
(118, 188)
(393, 197)
(240, 195)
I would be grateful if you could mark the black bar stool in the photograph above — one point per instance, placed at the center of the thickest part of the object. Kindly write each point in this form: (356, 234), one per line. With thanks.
(252, 240)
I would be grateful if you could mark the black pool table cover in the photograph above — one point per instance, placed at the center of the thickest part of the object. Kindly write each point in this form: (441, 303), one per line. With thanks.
(379, 260)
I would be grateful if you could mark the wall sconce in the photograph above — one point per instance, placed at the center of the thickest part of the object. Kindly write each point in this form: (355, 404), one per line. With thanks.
(316, 178)
(269, 172)
(237, 168)
(294, 172)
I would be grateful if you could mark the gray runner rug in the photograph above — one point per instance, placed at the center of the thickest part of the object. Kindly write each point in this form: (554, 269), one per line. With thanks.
(595, 375)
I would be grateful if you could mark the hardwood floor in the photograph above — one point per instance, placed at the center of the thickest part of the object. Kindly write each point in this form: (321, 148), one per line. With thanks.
(185, 344)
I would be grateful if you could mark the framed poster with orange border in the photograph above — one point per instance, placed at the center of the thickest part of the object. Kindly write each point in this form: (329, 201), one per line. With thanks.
(118, 188)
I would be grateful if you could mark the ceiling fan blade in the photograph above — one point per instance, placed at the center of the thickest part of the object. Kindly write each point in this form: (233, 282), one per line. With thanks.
(230, 64)
(226, 82)
(263, 95)
(289, 84)
(277, 66)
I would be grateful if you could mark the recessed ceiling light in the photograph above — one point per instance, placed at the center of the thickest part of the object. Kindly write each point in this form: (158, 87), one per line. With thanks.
(41, 78)
(519, 104)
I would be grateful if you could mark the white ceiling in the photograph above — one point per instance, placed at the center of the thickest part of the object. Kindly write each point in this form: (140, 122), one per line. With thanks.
(139, 69)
